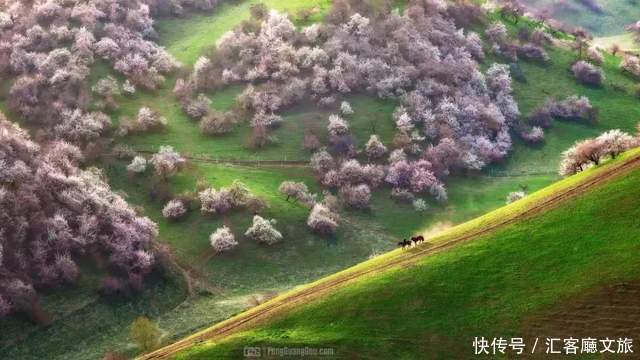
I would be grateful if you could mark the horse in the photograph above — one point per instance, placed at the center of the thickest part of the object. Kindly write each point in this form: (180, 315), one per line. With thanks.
(417, 239)
(405, 243)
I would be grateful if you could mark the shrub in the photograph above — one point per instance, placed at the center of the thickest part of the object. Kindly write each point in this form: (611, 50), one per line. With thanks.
(138, 165)
(222, 240)
(530, 51)
(594, 56)
(497, 33)
(515, 196)
(128, 88)
(198, 107)
(356, 196)
(174, 209)
(263, 231)
(631, 64)
(322, 220)
(541, 116)
(167, 162)
(587, 73)
(337, 125)
(297, 191)
(374, 148)
(145, 333)
(533, 136)
(540, 37)
(148, 119)
(345, 108)
(322, 161)
(573, 108)
(215, 202)
(256, 205)
(420, 205)
(216, 123)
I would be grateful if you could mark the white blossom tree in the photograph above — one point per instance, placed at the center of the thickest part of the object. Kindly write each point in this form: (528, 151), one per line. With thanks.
(263, 231)
(222, 240)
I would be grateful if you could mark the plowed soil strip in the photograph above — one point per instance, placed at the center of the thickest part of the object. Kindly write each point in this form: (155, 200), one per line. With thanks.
(250, 317)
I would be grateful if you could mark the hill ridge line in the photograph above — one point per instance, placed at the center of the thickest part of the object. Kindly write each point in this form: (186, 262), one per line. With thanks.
(406, 258)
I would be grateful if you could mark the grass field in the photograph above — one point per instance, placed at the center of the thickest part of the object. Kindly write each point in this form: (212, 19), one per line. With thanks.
(187, 38)
(625, 41)
(254, 270)
(615, 16)
(489, 287)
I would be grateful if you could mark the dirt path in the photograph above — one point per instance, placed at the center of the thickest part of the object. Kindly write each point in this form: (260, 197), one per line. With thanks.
(210, 160)
(276, 306)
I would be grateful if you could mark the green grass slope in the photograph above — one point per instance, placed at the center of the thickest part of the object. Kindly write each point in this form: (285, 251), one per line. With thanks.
(486, 287)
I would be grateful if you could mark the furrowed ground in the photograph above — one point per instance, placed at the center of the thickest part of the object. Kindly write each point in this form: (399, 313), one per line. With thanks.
(514, 281)
(230, 282)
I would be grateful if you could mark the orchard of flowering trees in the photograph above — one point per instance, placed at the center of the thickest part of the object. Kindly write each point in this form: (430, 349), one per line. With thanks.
(52, 213)
(49, 46)
(589, 152)
(450, 116)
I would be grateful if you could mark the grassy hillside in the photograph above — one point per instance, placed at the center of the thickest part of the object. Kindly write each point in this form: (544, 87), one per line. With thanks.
(615, 14)
(494, 285)
(231, 281)
(625, 41)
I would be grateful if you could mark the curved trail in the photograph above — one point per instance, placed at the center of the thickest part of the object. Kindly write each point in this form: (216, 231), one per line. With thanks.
(270, 308)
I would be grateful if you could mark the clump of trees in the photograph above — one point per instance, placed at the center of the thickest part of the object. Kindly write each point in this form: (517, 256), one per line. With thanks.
(450, 117)
(352, 56)
(51, 213)
(531, 45)
(219, 202)
(216, 123)
(589, 152)
(50, 46)
(572, 108)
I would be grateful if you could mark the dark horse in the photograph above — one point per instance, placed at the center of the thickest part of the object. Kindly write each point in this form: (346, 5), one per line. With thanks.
(417, 239)
(405, 243)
